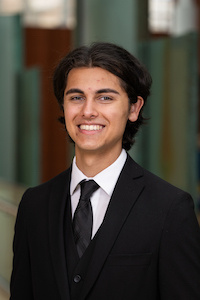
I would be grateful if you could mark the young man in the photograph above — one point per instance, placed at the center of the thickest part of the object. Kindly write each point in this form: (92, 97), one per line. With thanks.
(133, 236)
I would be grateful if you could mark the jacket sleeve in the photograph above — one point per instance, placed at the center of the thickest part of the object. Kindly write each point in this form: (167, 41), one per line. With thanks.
(21, 287)
(179, 260)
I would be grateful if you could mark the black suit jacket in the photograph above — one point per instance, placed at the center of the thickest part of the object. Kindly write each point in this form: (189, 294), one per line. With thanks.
(147, 248)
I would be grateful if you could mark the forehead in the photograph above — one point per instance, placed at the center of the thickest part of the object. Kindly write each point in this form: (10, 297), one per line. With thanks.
(92, 76)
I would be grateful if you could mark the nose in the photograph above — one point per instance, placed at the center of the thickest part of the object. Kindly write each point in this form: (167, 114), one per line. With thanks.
(89, 109)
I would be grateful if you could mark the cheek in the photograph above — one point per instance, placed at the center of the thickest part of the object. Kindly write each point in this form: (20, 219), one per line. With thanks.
(120, 116)
(68, 118)
(69, 113)
(118, 122)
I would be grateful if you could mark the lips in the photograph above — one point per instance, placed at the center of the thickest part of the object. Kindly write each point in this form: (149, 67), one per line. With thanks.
(91, 127)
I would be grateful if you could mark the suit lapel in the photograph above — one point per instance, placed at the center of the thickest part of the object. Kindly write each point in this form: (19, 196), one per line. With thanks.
(57, 206)
(128, 188)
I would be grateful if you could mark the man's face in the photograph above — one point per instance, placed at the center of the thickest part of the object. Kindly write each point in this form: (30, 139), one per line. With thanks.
(96, 110)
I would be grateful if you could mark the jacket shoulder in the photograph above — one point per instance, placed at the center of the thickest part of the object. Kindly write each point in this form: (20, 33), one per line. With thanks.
(157, 188)
(42, 193)
(154, 182)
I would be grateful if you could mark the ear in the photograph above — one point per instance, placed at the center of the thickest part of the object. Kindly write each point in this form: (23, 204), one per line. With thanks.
(135, 109)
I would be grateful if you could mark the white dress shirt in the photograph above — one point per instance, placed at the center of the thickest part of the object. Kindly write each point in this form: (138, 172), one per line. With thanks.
(106, 179)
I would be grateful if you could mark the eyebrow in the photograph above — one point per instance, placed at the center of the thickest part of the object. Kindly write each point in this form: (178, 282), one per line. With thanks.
(73, 91)
(106, 90)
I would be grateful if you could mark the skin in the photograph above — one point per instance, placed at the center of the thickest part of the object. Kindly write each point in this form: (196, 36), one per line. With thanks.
(96, 110)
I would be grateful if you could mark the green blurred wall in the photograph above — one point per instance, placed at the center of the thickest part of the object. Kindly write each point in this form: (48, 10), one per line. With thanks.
(19, 107)
(10, 62)
(115, 21)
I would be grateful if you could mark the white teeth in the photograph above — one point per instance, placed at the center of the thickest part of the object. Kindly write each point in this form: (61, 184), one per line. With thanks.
(91, 127)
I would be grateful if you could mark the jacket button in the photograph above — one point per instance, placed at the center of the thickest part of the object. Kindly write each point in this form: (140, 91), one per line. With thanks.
(77, 278)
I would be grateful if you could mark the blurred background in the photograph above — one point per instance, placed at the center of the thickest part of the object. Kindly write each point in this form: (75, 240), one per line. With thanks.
(36, 34)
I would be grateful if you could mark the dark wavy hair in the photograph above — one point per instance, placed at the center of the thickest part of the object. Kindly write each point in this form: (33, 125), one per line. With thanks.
(134, 77)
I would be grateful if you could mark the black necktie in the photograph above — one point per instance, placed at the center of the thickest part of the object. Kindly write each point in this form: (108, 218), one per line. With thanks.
(83, 218)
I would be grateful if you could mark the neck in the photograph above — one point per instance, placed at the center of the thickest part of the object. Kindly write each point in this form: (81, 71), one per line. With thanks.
(92, 164)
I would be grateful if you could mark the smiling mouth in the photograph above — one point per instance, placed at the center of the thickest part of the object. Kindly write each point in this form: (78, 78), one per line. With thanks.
(91, 127)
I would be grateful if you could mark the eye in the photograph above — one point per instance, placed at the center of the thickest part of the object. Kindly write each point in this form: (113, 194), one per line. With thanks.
(105, 98)
(76, 98)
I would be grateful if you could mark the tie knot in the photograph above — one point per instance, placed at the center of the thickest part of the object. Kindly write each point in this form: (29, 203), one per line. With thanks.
(88, 188)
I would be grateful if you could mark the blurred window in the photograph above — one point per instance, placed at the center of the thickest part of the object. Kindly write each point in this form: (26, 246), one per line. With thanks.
(11, 6)
(161, 14)
(37, 13)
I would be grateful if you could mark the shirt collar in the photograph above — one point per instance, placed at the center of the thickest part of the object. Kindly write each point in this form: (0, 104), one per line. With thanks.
(106, 179)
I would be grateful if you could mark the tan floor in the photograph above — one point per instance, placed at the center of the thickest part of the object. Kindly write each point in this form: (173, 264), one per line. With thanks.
(3, 295)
